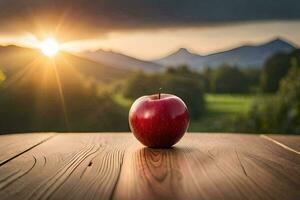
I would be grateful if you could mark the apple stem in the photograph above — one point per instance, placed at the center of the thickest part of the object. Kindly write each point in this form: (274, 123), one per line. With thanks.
(159, 91)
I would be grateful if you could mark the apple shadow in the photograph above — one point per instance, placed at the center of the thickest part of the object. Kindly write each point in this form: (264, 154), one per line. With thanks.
(173, 149)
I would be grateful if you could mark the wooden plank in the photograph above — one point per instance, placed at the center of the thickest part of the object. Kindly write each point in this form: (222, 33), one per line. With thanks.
(69, 166)
(15, 144)
(210, 166)
(292, 141)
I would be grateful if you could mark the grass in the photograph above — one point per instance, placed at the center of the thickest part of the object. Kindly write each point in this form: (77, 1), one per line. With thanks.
(221, 112)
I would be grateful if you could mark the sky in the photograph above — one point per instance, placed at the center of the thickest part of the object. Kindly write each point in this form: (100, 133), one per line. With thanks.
(149, 29)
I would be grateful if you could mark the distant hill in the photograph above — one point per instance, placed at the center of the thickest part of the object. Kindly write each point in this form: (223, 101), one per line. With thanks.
(120, 61)
(181, 56)
(243, 56)
(42, 94)
(16, 60)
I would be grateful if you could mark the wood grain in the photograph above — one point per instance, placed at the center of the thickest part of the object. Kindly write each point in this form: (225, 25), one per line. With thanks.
(15, 144)
(116, 166)
(211, 167)
(69, 166)
(291, 141)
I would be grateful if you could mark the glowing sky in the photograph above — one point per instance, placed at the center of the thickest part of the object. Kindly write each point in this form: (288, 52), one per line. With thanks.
(148, 29)
(149, 44)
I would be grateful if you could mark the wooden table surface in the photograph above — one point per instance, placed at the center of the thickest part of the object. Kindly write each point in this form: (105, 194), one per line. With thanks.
(116, 166)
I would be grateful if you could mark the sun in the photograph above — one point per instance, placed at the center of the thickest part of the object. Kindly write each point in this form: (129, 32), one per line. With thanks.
(49, 47)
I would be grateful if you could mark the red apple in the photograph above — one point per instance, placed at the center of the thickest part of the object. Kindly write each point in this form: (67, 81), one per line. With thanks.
(159, 120)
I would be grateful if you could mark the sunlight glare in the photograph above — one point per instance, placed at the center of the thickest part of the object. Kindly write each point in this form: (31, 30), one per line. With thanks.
(49, 47)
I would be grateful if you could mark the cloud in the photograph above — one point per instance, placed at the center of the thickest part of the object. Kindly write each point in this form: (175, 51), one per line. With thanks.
(72, 19)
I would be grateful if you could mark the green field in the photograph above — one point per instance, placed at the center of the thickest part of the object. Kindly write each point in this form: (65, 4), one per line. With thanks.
(221, 112)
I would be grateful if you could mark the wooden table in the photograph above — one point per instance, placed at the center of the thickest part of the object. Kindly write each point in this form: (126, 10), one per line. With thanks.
(116, 166)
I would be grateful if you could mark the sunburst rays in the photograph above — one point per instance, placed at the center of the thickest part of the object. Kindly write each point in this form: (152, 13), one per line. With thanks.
(45, 75)
(61, 93)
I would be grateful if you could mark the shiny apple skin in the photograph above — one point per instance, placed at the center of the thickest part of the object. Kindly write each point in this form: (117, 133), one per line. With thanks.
(158, 123)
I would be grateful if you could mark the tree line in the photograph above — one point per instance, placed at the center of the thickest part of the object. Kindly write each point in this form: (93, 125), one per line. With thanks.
(279, 113)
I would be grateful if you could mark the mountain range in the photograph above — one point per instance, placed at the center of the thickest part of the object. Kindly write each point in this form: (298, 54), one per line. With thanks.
(121, 61)
(242, 56)
(106, 66)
